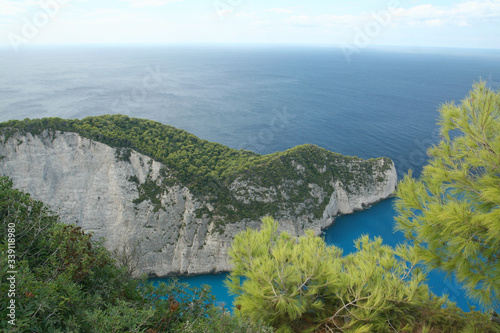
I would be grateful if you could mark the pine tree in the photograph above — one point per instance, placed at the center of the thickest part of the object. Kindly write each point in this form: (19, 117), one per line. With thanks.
(303, 285)
(283, 281)
(452, 213)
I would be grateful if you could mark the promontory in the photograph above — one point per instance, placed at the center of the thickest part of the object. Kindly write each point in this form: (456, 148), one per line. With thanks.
(172, 199)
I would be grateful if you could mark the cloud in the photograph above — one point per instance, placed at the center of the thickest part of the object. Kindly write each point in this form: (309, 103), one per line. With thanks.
(300, 20)
(463, 14)
(149, 3)
(282, 10)
(13, 8)
(326, 21)
(107, 12)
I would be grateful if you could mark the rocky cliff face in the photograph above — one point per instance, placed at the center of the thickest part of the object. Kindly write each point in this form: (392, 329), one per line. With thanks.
(89, 183)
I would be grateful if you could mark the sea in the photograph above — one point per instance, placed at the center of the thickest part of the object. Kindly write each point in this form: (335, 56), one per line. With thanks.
(379, 102)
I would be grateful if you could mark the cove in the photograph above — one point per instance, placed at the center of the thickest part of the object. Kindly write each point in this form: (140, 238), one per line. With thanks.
(377, 220)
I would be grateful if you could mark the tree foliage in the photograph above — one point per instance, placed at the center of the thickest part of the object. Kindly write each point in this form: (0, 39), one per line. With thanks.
(303, 285)
(452, 213)
(208, 169)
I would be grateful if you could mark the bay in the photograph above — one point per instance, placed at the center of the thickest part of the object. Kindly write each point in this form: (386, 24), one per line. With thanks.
(377, 221)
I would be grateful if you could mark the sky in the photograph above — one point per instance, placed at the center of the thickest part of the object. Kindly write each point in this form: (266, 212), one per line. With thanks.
(351, 24)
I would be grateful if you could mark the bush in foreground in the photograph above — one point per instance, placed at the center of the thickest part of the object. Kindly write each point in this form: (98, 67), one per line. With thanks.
(67, 282)
(303, 285)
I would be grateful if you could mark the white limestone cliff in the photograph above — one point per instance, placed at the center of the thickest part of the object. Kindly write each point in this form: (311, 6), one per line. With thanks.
(84, 182)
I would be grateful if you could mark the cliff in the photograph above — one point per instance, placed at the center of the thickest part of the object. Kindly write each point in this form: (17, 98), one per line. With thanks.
(179, 227)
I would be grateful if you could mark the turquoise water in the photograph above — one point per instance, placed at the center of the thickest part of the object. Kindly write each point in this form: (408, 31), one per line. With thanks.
(379, 221)
(376, 221)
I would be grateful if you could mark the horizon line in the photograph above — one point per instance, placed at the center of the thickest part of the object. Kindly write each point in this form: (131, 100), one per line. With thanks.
(277, 44)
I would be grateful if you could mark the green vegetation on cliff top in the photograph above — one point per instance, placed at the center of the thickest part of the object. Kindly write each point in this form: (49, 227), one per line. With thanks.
(208, 168)
(66, 281)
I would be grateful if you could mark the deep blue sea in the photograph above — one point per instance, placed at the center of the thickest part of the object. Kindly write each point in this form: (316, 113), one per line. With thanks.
(383, 102)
